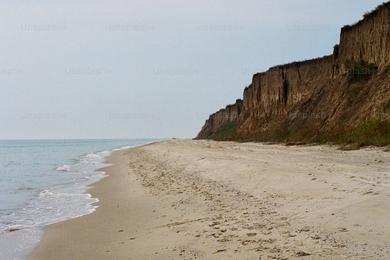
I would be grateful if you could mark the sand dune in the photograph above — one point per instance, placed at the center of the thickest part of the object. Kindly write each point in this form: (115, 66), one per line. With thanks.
(210, 200)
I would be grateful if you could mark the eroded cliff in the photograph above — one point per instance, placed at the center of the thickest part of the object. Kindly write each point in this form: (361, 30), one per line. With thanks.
(343, 97)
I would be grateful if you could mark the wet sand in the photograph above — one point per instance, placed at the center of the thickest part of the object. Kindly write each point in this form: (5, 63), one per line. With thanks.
(210, 200)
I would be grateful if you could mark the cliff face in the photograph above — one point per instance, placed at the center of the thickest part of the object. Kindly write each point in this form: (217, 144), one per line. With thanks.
(324, 99)
(367, 40)
(222, 118)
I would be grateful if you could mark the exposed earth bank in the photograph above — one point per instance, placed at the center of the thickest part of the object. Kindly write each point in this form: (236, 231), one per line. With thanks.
(342, 98)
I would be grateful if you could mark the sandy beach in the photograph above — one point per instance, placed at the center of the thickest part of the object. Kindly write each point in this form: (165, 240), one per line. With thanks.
(225, 200)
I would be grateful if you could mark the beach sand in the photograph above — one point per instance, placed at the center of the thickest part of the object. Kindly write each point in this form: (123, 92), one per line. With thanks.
(214, 200)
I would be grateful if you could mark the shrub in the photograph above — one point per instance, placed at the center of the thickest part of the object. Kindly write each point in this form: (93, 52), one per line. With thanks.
(225, 132)
(370, 132)
(362, 70)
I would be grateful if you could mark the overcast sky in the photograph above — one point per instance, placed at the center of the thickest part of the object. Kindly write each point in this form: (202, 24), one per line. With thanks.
(147, 68)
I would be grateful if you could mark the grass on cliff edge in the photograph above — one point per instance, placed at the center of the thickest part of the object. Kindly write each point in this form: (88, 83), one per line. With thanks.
(370, 132)
(374, 131)
(225, 132)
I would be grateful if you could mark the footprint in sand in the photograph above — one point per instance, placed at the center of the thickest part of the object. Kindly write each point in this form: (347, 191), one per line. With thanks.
(302, 253)
(304, 229)
(343, 229)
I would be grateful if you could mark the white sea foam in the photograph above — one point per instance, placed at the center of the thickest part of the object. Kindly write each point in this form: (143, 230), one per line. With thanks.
(63, 201)
(45, 195)
(63, 168)
(123, 148)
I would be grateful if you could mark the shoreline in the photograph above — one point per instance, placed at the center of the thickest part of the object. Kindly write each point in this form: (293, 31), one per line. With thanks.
(52, 244)
(52, 190)
(204, 199)
(42, 250)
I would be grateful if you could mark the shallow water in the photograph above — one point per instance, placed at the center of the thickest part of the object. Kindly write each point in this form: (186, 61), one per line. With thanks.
(45, 181)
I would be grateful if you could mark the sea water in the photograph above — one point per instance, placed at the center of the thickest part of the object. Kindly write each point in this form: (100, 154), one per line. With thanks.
(44, 182)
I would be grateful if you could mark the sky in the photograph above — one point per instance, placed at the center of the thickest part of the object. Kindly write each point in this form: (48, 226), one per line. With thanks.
(147, 68)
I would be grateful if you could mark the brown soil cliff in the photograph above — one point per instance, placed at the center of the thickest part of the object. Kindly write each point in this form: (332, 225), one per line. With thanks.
(341, 98)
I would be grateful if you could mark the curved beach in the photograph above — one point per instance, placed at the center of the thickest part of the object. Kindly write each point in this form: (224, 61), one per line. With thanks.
(210, 200)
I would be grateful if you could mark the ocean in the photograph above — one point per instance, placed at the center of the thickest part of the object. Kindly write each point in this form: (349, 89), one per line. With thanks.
(44, 182)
